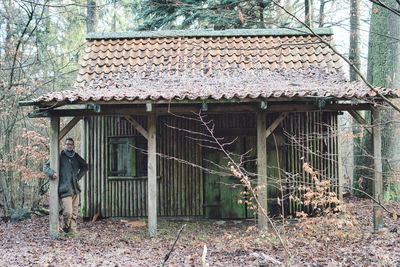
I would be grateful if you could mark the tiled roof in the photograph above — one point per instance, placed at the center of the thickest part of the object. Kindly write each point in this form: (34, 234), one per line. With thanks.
(284, 83)
(216, 65)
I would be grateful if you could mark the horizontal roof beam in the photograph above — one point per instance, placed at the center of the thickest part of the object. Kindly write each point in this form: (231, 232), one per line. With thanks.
(194, 109)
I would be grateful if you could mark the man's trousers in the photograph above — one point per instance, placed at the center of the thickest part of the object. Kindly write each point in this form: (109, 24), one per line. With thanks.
(70, 213)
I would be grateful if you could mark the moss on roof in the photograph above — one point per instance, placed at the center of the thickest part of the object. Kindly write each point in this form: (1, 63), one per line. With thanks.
(207, 33)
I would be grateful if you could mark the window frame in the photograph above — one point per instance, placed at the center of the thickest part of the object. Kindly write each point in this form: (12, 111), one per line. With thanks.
(133, 142)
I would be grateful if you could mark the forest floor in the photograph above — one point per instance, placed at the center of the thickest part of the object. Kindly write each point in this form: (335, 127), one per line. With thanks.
(347, 241)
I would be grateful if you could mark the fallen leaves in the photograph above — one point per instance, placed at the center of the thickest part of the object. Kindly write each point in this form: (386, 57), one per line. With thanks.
(134, 223)
(126, 243)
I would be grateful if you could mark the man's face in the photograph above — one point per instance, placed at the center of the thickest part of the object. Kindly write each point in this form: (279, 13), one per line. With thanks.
(69, 145)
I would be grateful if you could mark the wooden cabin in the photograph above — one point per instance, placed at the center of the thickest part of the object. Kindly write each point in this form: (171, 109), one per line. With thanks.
(278, 93)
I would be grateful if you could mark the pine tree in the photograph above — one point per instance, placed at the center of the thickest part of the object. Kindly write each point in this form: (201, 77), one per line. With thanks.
(213, 14)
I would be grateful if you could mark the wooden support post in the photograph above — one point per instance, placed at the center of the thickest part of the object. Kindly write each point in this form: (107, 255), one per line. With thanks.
(54, 164)
(152, 175)
(377, 150)
(262, 165)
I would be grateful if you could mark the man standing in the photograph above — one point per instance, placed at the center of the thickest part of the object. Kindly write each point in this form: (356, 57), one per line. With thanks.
(72, 168)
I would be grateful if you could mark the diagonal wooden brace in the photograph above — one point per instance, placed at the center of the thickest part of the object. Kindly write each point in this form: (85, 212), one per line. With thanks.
(137, 126)
(360, 120)
(68, 127)
(275, 124)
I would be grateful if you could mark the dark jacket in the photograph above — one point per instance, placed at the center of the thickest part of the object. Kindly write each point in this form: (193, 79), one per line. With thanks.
(71, 171)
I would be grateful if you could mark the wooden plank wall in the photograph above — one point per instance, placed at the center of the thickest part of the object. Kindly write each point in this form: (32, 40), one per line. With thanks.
(314, 142)
(180, 189)
(179, 185)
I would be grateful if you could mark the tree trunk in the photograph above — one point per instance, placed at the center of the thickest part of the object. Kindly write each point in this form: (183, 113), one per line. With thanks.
(354, 57)
(354, 52)
(383, 63)
(91, 19)
(321, 20)
(308, 12)
(114, 22)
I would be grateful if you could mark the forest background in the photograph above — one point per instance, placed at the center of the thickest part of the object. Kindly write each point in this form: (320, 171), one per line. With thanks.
(42, 41)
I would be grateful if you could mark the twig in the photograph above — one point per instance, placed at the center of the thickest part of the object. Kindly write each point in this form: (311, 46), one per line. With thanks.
(372, 198)
(172, 248)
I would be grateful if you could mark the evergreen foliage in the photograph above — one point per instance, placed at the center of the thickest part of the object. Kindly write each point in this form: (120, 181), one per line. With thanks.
(213, 14)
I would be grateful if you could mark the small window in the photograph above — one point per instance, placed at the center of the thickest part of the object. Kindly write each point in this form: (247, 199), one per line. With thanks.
(127, 156)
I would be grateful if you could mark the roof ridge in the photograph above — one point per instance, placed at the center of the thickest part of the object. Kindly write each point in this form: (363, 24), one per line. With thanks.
(207, 33)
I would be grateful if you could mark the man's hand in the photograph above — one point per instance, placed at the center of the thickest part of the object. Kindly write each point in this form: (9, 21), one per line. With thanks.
(55, 176)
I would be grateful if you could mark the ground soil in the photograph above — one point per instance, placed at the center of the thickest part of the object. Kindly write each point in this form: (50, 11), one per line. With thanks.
(350, 241)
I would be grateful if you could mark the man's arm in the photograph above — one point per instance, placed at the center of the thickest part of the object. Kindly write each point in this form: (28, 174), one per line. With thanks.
(83, 167)
(49, 171)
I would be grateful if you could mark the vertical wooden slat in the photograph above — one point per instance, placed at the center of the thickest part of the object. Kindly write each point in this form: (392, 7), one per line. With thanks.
(307, 136)
(184, 199)
(179, 178)
(171, 169)
(54, 164)
(126, 198)
(189, 183)
(120, 201)
(135, 199)
(301, 149)
(131, 206)
(91, 178)
(175, 171)
(199, 161)
(123, 201)
(140, 196)
(315, 141)
(293, 158)
(158, 171)
(333, 152)
(107, 127)
(83, 180)
(191, 173)
(161, 170)
(340, 162)
(112, 200)
(166, 170)
(98, 167)
(116, 198)
(95, 165)
(88, 175)
(143, 186)
(103, 168)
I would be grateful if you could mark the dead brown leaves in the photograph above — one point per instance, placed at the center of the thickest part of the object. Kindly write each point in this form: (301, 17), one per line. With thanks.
(233, 243)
